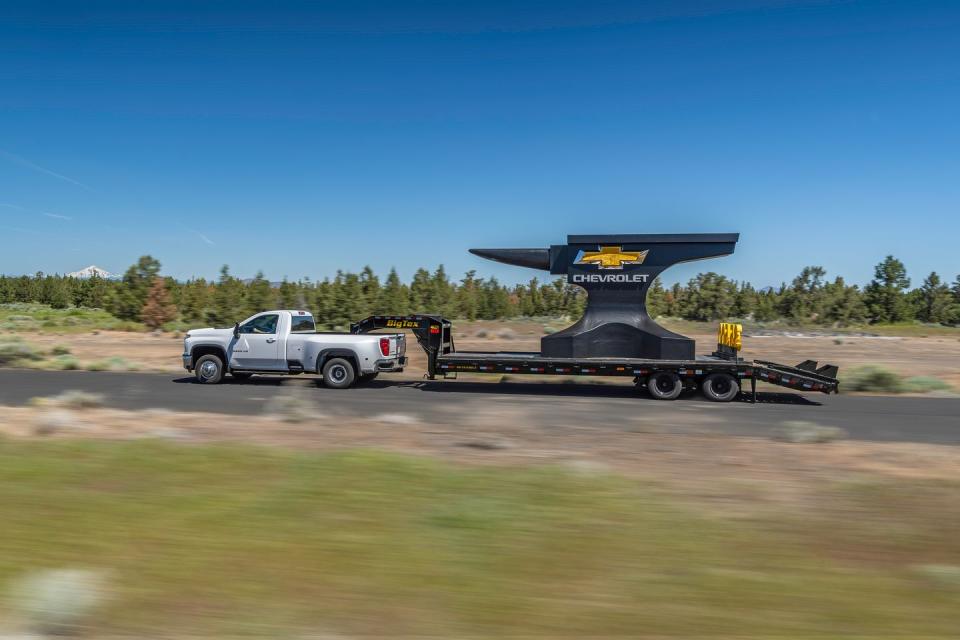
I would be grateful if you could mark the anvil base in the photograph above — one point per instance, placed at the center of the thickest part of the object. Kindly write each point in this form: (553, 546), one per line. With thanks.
(618, 340)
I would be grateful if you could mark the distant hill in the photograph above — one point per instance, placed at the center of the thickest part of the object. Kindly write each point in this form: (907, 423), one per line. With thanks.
(91, 271)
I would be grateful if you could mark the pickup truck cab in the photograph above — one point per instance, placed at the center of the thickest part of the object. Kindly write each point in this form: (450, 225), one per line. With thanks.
(286, 342)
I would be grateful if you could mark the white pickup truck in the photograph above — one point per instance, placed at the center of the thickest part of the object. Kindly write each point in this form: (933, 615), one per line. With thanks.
(287, 342)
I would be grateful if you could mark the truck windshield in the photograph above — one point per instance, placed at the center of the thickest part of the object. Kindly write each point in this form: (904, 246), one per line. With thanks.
(261, 324)
(303, 324)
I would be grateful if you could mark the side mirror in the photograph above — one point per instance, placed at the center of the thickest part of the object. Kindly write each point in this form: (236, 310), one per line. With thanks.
(236, 330)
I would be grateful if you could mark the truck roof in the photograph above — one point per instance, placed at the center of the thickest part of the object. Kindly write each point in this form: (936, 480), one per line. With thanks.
(293, 312)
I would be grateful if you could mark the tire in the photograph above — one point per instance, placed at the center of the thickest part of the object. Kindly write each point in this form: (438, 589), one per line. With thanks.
(720, 387)
(338, 373)
(209, 369)
(241, 375)
(369, 377)
(664, 385)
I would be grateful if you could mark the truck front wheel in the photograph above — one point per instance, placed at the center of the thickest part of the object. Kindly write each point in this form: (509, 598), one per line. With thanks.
(664, 385)
(209, 369)
(720, 387)
(338, 373)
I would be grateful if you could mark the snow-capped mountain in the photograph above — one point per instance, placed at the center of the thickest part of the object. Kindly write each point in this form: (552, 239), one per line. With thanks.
(91, 271)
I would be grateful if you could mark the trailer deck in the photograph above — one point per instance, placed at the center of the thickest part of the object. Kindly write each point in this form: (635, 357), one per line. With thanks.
(434, 334)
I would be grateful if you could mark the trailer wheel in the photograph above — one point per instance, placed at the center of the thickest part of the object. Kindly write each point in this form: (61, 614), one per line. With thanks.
(209, 369)
(338, 373)
(721, 387)
(664, 385)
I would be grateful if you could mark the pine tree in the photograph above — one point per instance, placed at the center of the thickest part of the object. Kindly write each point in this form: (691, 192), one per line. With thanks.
(229, 304)
(132, 294)
(803, 300)
(370, 286)
(260, 295)
(290, 296)
(158, 308)
(885, 295)
(421, 297)
(843, 304)
(321, 302)
(55, 292)
(349, 305)
(656, 298)
(934, 299)
(394, 297)
(441, 292)
(745, 301)
(195, 300)
(709, 296)
(468, 299)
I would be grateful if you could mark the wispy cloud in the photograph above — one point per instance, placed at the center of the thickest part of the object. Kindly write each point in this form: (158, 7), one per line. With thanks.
(56, 216)
(8, 205)
(12, 157)
(203, 237)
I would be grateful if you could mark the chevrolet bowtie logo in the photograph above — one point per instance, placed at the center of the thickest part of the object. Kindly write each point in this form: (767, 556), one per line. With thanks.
(611, 257)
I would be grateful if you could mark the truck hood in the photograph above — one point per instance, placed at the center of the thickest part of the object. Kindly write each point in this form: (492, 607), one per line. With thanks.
(209, 332)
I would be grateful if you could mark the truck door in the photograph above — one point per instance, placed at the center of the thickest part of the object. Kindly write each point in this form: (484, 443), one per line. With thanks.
(258, 346)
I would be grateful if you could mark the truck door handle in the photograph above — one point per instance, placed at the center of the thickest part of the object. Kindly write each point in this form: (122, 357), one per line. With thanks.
(271, 339)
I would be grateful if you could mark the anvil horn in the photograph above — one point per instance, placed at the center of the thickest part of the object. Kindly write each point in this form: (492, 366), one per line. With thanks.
(533, 258)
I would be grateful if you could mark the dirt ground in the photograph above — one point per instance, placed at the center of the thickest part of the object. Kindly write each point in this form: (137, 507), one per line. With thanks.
(936, 355)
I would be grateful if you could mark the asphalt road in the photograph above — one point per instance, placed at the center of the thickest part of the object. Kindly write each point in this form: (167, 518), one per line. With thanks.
(913, 419)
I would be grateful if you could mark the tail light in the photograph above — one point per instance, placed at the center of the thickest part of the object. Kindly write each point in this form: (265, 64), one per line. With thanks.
(385, 346)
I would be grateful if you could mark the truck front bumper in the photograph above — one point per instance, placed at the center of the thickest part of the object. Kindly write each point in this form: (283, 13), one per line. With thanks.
(187, 361)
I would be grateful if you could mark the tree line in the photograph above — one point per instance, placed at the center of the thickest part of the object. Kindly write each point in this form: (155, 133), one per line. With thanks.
(811, 298)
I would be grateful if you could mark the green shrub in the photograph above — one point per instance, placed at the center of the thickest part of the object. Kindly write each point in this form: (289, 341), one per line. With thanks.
(873, 378)
(65, 363)
(924, 384)
(16, 353)
(60, 350)
(97, 365)
(115, 363)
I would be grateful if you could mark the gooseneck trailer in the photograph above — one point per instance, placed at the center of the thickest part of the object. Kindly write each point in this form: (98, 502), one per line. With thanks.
(616, 336)
(720, 376)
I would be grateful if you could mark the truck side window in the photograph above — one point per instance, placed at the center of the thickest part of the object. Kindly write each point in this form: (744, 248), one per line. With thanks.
(261, 325)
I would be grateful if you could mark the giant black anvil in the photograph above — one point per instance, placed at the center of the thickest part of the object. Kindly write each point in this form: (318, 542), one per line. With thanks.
(617, 271)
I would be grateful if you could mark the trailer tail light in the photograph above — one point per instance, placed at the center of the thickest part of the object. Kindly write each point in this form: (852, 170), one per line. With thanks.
(385, 346)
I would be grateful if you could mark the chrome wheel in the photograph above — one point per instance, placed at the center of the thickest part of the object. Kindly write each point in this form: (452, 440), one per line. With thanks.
(208, 370)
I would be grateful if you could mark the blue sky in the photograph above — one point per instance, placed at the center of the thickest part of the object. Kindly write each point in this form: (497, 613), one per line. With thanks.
(304, 138)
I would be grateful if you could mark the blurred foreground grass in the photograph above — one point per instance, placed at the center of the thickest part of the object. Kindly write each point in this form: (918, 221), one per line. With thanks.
(229, 540)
